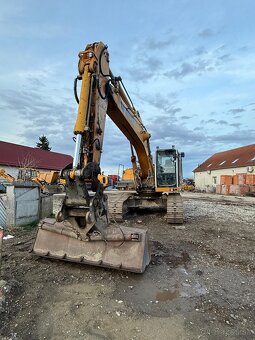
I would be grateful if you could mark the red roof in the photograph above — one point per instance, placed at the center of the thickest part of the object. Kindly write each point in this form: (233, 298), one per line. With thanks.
(235, 158)
(25, 156)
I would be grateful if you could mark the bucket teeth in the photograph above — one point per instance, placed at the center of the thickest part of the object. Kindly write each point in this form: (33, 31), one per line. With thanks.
(115, 249)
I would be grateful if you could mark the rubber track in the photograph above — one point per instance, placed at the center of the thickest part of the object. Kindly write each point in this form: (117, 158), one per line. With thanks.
(174, 209)
(116, 205)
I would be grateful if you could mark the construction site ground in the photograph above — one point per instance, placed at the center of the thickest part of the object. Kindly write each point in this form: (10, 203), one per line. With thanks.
(200, 283)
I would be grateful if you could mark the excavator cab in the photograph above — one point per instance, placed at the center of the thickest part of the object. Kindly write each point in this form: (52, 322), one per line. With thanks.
(168, 169)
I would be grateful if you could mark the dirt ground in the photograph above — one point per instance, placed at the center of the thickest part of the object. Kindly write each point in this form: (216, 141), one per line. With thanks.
(199, 285)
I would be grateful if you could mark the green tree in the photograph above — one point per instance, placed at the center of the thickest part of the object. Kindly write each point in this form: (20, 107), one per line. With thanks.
(43, 143)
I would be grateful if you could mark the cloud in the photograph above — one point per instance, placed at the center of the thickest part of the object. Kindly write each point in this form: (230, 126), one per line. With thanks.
(196, 67)
(236, 125)
(164, 130)
(225, 57)
(206, 33)
(146, 67)
(211, 121)
(200, 50)
(148, 61)
(165, 104)
(222, 122)
(200, 61)
(139, 73)
(238, 137)
(207, 121)
(186, 117)
(244, 48)
(151, 62)
(35, 82)
(156, 44)
(41, 113)
(236, 111)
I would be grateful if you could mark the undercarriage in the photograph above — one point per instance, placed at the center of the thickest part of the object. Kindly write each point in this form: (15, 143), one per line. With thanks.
(121, 202)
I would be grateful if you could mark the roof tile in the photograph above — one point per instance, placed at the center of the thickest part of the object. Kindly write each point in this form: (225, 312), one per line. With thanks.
(235, 158)
(20, 155)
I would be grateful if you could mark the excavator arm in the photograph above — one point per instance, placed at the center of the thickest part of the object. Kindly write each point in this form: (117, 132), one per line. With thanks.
(81, 230)
(102, 93)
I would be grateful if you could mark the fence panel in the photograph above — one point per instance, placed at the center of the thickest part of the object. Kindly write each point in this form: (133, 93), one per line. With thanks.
(2, 211)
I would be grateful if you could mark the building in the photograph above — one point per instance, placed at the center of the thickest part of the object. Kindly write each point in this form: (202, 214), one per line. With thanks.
(231, 162)
(14, 156)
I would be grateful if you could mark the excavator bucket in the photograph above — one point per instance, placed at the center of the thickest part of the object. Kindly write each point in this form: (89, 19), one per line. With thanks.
(119, 247)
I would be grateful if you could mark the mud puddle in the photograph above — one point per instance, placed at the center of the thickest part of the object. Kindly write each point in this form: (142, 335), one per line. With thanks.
(167, 295)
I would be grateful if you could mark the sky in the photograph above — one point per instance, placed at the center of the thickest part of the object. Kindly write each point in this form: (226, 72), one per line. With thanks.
(189, 67)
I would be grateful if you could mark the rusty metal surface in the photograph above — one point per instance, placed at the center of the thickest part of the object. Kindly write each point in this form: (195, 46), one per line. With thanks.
(121, 252)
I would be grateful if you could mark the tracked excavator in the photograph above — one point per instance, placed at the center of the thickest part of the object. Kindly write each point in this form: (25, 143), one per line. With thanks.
(81, 231)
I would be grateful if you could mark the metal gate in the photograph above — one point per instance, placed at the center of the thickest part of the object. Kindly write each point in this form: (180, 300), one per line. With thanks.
(2, 211)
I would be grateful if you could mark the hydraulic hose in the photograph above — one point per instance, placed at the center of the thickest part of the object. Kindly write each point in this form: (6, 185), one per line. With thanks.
(75, 89)
(106, 90)
(100, 60)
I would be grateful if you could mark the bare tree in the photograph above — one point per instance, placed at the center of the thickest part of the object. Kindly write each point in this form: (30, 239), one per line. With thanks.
(27, 167)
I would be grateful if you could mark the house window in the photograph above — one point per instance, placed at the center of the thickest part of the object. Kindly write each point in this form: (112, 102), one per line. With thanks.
(222, 162)
(209, 165)
(214, 179)
(235, 160)
(253, 159)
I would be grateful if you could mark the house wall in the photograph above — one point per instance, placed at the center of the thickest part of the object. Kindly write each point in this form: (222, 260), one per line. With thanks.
(207, 180)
